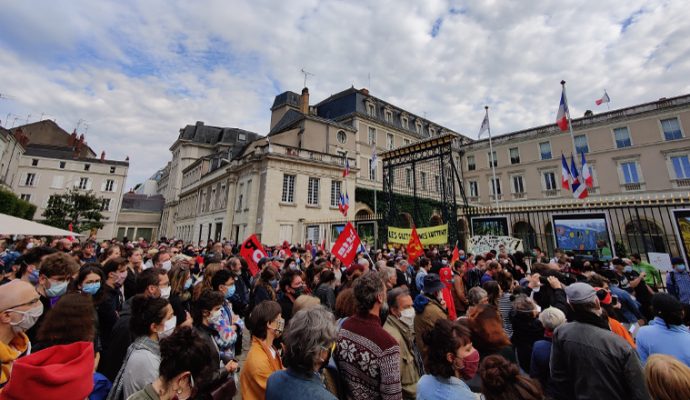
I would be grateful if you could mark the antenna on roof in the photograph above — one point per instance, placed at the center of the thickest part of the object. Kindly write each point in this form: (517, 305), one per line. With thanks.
(79, 123)
(306, 74)
(369, 81)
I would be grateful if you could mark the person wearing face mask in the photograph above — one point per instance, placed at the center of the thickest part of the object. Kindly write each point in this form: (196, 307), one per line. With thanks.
(678, 281)
(291, 287)
(326, 289)
(162, 260)
(429, 307)
(308, 341)
(450, 361)
(152, 320)
(206, 312)
(400, 325)
(181, 283)
(26, 266)
(185, 357)
(134, 267)
(228, 326)
(265, 324)
(20, 308)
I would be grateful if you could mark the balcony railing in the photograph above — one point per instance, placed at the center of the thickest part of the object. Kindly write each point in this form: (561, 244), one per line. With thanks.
(551, 193)
(682, 182)
(305, 154)
(519, 196)
(632, 187)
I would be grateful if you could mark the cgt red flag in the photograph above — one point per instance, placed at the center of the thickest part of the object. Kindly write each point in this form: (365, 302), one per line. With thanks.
(456, 256)
(414, 246)
(345, 248)
(252, 251)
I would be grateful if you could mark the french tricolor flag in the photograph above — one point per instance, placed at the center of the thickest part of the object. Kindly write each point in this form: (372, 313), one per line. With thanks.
(586, 173)
(563, 113)
(346, 171)
(579, 190)
(565, 173)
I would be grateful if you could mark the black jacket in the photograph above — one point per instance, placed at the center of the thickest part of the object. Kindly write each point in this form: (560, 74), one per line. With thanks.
(526, 331)
(120, 339)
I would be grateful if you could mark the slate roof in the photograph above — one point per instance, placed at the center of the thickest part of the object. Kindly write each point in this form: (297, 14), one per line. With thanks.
(142, 202)
(286, 98)
(65, 153)
(200, 133)
(293, 118)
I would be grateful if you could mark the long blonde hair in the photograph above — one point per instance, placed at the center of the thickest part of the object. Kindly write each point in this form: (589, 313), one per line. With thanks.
(667, 378)
(210, 270)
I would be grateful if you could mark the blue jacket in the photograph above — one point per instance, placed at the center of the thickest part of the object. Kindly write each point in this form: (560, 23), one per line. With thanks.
(289, 384)
(435, 388)
(657, 338)
(629, 306)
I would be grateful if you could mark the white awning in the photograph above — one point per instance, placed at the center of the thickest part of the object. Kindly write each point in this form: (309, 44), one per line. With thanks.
(10, 225)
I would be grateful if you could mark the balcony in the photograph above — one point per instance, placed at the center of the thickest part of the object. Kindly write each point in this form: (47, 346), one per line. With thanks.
(551, 193)
(682, 182)
(493, 197)
(305, 154)
(632, 187)
(519, 196)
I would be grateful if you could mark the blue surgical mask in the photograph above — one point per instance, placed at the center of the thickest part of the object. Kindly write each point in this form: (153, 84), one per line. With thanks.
(627, 268)
(274, 283)
(56, 289)
(33, 277)
(680, 267)
(463, 258)
(230, 291)
(91, 288)
(188, 283)
(293, 266)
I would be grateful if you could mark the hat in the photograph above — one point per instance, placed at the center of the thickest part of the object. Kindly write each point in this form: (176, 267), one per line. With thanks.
(666, 304)
(580, 293)
(603, 295)
(677, 260)
(59, 372)
(432, 284)
(352, 268)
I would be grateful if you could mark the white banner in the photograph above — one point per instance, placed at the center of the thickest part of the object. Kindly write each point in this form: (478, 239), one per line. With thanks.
(482, 244)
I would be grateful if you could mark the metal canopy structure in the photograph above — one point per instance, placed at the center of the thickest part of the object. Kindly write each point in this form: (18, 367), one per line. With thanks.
(421, 184)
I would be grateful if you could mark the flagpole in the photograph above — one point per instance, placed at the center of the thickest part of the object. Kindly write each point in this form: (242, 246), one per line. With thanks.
(494, 184)
(570, 122)
(609, 100)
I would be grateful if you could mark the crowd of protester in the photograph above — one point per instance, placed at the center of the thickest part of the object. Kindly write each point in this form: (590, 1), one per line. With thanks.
(171, 320)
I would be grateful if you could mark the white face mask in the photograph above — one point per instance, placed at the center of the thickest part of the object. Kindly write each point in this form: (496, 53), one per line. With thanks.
(407, 316)
(168, 328)
(165, 292)
(29, 318)
(214, 318)
(166, 265)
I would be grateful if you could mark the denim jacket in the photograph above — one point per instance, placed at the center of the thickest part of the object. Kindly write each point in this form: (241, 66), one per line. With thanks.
(432, 387)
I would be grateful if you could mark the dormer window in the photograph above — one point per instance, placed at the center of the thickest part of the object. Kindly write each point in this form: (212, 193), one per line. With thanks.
(405, 122)
(432, 132)
(242, 137)
(419, 127)
(371, 109)
(388, 116)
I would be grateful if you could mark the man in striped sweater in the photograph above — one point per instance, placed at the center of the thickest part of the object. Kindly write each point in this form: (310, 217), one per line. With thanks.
(367, 356)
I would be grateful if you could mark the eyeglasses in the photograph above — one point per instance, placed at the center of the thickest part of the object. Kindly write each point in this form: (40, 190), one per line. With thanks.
(28, 303)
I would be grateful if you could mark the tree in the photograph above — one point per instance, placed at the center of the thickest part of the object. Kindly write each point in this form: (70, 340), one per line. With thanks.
(80, 208)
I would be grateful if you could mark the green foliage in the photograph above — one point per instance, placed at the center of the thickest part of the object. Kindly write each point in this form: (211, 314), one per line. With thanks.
(81, 208)
(10, 204)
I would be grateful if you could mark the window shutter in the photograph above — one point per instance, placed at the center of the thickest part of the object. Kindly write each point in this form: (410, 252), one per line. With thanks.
(103, 186)
(88, 184)
(22, 181)
(36, 179)
(114, 186)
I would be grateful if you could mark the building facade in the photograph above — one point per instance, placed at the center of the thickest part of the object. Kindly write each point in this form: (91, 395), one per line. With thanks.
(139, 216)
(12, 146)
(55, 161)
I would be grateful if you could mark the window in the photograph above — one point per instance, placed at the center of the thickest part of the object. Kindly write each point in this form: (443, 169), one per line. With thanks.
(109, 185)
(372, 135)
(248, 195)
(419, 127)
(432, 132)
(408, 178)
(372, 170)
(288, 189)
(581, 144)
(62, 165)
(341, 136)
(313, 233)
(29, 181)
(514, 155)
(313, 192)
(550, 181)
(87, 167)
(671, 128)
(471, 166)
(622, 137)
(518, 184)
(105, 205)
(83, 183)
(388, 116)
(57, 182)
(437, 183)
(681, 166)
(112, 170)
(474, 189)
(495, 186)
(25, 197)
(422, 177)
(371, 109)
(406, 142)
(389, 141)
(242, 137)
(545, 150)
(34, 162)
(404, 122)
(240, 198)
(492, 157)
(335, 192)
(629, 170)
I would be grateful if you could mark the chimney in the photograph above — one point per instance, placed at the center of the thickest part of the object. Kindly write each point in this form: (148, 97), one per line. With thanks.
(304, 101)
(102, 155)
(365, 91)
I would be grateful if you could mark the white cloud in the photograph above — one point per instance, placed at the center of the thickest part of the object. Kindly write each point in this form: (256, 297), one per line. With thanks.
(140, 71)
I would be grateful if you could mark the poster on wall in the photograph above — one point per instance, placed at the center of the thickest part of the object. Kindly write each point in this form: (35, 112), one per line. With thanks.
(584, 234)
(490, 226)
(682, 227)
(482, 243)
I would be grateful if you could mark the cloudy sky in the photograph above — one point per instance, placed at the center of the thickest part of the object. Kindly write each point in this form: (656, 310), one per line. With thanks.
(138, 71)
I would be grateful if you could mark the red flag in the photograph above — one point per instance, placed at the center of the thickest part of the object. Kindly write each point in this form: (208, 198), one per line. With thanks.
(345, 248)
(456, 256)
(286, 249)
(414, 246)
(252, 251)
(71, 238)
(446, 275)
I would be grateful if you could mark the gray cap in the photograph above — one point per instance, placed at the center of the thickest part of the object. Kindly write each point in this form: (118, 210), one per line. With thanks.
(580, 293)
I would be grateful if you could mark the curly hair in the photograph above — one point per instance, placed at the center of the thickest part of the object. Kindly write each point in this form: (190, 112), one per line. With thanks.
(58, 264)
(309, 331)
(445, 337)
(366, 290)
(72, 319)
(501, 380)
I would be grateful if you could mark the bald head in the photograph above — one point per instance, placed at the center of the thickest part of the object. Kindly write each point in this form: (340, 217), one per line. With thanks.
(16, 292)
